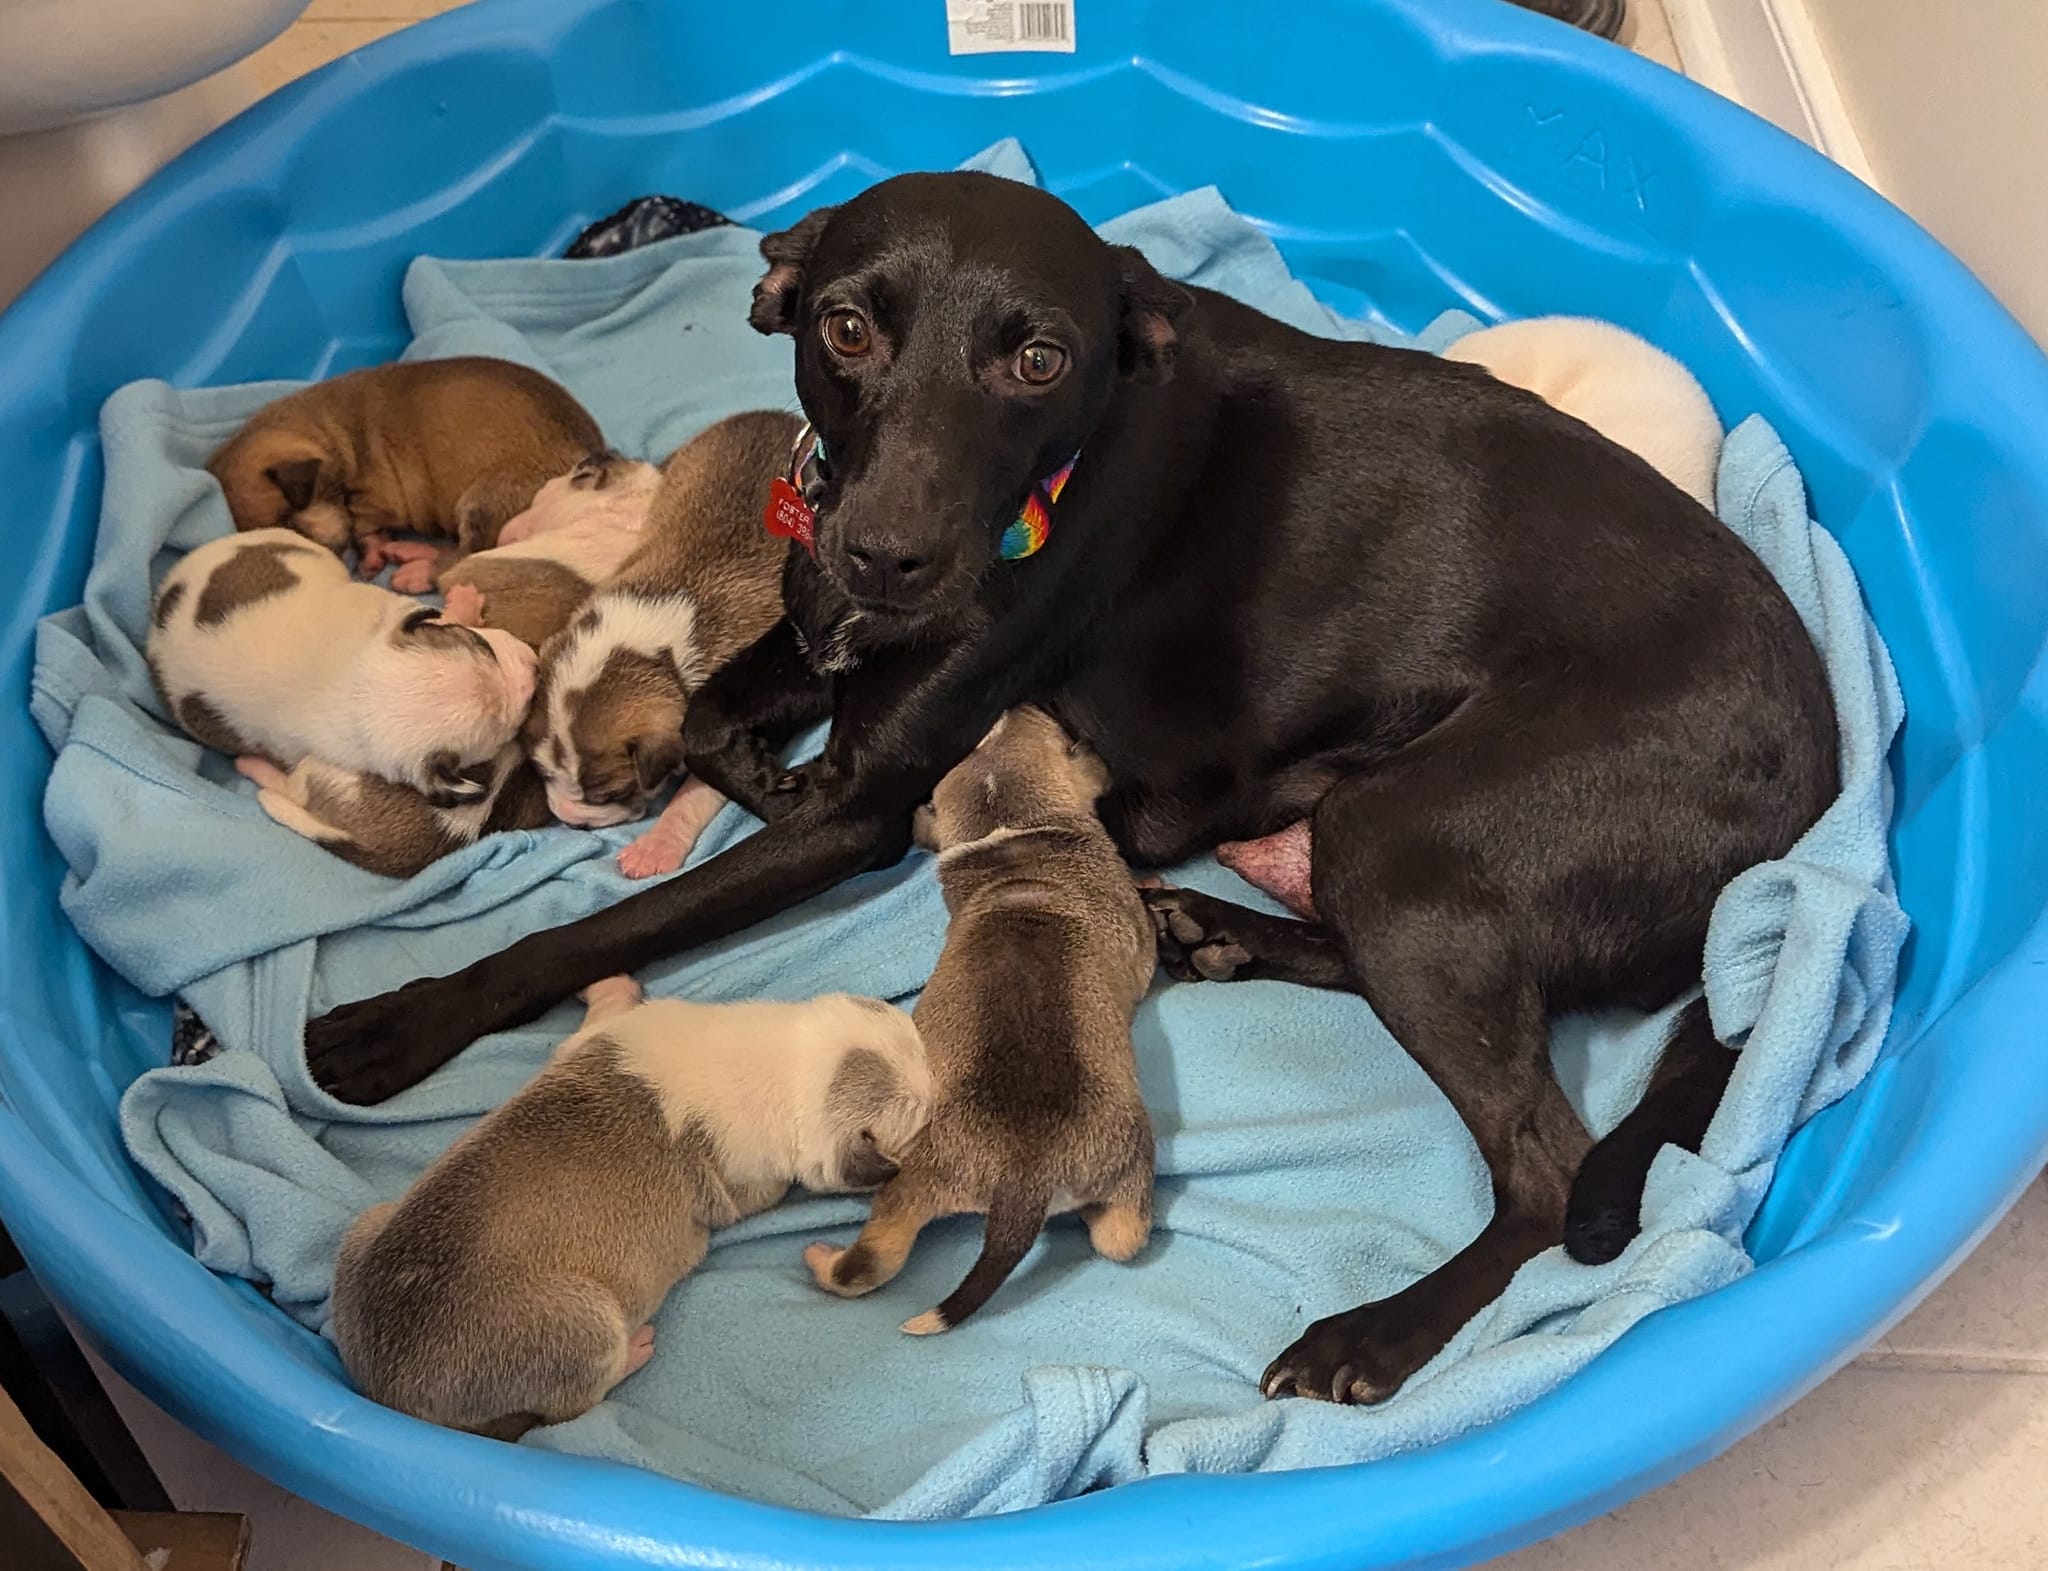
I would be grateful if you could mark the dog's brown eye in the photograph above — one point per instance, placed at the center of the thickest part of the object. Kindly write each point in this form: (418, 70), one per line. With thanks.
(1039, 364)
(847, 333)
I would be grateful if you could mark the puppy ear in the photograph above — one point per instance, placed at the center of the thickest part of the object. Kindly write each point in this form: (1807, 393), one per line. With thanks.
(295, 478)
(862, 1164)
(1089, 769)
(1147, 340)
(451, 786)
(787, 253)
(654, 758)
(593, 472)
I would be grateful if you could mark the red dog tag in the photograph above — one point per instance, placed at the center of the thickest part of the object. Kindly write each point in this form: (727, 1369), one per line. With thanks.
(788, 514)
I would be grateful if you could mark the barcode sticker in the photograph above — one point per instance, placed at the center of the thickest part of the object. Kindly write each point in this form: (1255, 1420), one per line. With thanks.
(984, 27)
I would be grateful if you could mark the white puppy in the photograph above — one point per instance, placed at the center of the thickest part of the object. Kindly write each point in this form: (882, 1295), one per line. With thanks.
(1628, 390)
(514, 1281)
(261, 643)
(579, 531)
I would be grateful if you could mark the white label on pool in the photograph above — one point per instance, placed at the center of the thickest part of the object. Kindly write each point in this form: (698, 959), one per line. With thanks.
(984, 27)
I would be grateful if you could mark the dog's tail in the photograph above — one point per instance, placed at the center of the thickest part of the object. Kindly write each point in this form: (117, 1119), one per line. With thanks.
(1606, 1207)
(1016, 1216)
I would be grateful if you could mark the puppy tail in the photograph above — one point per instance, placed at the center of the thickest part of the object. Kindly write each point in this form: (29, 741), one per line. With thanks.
(1016, 1216)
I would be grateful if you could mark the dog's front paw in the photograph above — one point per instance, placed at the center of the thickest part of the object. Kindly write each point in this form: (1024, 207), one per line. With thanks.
(1196, 943)
(369, 1051)
(1359, 1357)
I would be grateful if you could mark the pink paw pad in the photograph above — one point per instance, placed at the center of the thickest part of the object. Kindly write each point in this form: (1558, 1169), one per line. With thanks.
(463, 603)
(654, 854)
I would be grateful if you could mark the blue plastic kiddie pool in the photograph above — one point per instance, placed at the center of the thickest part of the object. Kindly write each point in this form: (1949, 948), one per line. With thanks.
(1408, 156)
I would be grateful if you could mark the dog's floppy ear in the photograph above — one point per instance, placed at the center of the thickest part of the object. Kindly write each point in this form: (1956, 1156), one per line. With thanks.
(295, 478)
(1147, 340)
(787, 252)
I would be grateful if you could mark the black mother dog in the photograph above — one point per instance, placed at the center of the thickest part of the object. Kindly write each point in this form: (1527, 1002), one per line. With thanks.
(1542, 705)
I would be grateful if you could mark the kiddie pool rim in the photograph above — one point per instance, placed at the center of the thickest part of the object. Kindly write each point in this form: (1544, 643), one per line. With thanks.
(1620, 1427)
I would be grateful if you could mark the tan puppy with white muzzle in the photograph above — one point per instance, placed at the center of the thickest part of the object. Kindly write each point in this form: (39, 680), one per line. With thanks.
(1027, 1021)
(706, 581)
(513, 1283)
(261, 643)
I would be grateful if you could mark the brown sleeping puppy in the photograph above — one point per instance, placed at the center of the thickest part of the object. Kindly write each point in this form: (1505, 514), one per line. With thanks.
(1027, 1024)
(390, 829)
(513, 1283)
(706, 581)
(451, 448)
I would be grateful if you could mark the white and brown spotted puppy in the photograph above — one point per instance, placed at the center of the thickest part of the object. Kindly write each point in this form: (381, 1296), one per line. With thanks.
(451, 448)
(262, 644)
(514, 1282)
(1628, 390)
(1027, 1022)
(391, 829)
(578, 533)
(705, 583)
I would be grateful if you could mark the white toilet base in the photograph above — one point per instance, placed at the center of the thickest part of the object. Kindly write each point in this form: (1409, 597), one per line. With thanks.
(58, 182)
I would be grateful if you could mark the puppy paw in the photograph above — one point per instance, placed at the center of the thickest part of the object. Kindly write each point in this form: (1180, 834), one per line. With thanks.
(252, 766)
(844, 1273)
(654, 853)
(462, 603)
(614, 995)
(373, 554)
(821, 1257)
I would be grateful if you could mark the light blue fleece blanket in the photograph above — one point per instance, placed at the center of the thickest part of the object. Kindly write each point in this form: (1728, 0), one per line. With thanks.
(1305, 1162)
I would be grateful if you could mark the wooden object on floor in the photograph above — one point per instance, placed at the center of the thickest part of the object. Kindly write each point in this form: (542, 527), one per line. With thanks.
(197, 1540)
(46, 1515)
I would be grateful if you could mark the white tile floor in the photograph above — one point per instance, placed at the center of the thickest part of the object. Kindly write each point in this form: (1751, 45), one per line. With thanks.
(1928, 1452)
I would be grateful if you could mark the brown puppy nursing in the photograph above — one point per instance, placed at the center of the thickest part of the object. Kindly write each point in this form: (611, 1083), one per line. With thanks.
(452, 448)
(513, 1283)
(1027, 1023)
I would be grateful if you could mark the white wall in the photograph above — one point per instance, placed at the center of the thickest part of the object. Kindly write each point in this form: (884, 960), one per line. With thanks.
(1949, 102)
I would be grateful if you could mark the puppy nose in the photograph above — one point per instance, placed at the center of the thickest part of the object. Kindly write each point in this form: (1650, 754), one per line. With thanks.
(886, 569)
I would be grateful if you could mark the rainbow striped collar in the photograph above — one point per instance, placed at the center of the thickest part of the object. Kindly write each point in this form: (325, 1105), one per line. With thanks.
(1034, 522)
(789, 511)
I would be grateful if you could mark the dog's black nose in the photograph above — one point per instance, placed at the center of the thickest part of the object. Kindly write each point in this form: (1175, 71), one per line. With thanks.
(887, 571)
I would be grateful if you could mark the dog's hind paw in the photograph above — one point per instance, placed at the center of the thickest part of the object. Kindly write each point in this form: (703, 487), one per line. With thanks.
(1347, 1359)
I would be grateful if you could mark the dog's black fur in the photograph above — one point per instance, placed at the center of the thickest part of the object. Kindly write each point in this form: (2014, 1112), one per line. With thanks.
(1541, 704)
